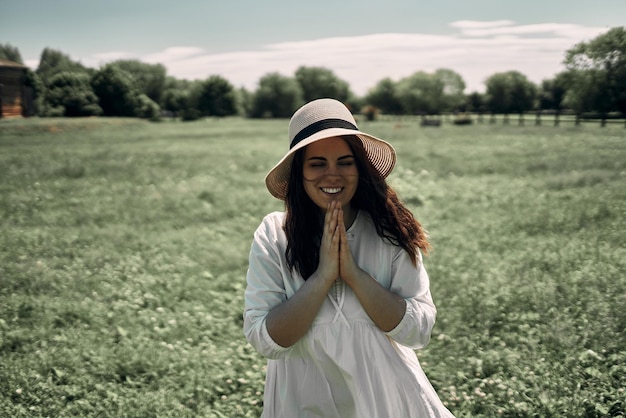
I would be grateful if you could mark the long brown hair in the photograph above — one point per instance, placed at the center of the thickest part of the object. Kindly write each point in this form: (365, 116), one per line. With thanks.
(304, 220)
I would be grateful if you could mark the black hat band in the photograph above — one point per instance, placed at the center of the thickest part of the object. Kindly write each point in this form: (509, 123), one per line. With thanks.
(320, 125)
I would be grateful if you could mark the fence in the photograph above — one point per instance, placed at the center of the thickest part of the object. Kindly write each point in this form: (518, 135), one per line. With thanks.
(525, 119)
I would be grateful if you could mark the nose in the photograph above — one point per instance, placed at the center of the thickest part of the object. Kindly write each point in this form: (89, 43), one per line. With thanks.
(332, 170)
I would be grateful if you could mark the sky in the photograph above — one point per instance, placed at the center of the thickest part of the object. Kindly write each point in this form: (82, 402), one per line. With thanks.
(362, 42)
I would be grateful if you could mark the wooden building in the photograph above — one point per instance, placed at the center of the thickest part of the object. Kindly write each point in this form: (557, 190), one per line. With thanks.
(14, 100)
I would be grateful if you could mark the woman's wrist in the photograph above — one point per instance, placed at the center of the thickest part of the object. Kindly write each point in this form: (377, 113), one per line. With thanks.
(354, 279)
(325, 279)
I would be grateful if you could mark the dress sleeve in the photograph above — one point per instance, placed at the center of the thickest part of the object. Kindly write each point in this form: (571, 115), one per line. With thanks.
(265, 290)
(413, 285)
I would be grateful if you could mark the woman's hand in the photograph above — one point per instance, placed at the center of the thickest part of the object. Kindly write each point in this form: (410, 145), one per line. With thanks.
(328, 267)
(289, 321)
(385, 308)
(349, 271)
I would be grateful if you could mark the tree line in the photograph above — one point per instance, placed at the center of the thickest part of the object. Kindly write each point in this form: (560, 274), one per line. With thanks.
(594, 80)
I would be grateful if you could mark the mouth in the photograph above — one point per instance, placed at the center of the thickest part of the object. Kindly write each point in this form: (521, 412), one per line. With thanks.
(331, 190)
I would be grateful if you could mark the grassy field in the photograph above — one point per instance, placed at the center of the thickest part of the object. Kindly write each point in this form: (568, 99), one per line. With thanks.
(124, 245)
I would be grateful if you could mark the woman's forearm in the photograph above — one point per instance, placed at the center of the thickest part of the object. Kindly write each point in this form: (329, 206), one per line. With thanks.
(290, 320)
(383, 307)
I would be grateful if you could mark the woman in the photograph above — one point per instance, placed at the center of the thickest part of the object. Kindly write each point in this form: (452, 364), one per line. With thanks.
(337, 296)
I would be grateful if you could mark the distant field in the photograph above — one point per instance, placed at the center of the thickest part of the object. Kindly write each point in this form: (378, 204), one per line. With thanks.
(124, 245)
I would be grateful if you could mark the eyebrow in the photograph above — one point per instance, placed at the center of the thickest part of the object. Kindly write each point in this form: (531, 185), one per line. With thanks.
(343, 157)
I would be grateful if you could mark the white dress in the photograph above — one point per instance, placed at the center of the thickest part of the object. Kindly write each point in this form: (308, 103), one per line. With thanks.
(344, 366)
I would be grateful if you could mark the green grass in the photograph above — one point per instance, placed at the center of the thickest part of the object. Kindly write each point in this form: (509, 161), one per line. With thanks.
(124, 245)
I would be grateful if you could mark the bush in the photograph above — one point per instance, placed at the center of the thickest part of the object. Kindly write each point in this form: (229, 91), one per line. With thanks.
(53, 111)
(370, 112)
(116, 91)
(320, 82)
(216, 97)
(190, 114)
(175, 100)
(147, 108)
(277, 97)
(72, 92)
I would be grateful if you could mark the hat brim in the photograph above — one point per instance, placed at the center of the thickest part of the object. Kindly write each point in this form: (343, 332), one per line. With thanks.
(380, 153)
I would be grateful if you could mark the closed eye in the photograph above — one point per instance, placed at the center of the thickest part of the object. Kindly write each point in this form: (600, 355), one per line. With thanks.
(346, 160)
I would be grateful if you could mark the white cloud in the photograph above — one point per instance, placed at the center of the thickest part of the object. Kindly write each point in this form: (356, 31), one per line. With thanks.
(96, 60)
(113, 55)
(476, 51)
(473, 24)
(173, 54)
(32, 64)
(546, 29)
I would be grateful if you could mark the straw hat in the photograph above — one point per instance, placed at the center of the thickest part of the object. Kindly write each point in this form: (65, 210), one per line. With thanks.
(321, 119)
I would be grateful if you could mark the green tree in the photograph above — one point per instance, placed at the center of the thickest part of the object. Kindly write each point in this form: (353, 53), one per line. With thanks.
(33, 82)
(384, 96)
(552, 92)
(510, 92)
(453, 88)
(71, 94)
(216, 97)
(176, 94)
(498, 94)
(421, 93)
(11, 53)
(147, 108)
(476, 102)
(601, 61)
(585, 90)
(175, 100)
(53, 62)
(523, 93)
(149, 78)
(245, 101)
(116, 91)
(277, 97)
(320, 82)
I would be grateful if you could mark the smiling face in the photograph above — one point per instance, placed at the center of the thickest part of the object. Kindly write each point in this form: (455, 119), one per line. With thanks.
(330, 172)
